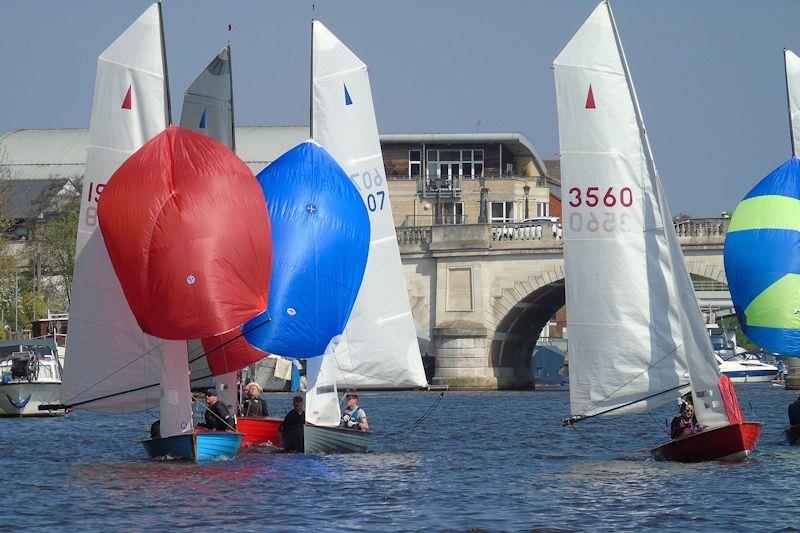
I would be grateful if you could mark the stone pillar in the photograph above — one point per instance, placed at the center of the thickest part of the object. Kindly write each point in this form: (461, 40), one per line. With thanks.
(461, 356)
(793, 375)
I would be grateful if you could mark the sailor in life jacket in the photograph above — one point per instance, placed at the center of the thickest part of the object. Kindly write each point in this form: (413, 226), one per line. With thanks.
(354, 416)
(685, 424)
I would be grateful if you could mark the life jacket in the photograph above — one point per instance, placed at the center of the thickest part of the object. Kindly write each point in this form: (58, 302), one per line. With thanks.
(357, 415)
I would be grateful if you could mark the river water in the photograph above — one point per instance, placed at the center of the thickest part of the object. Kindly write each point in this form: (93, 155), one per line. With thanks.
(490, 461)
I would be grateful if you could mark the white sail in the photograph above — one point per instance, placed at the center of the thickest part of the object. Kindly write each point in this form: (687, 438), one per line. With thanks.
(792, 63)
(208, 109)
(636, 332)
(208, 102)
(107, 351)
(379, 347)
(322, 398)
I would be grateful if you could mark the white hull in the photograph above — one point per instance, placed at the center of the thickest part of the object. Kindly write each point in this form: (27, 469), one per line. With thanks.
(748, 370)
(325, 440)
(23, 399)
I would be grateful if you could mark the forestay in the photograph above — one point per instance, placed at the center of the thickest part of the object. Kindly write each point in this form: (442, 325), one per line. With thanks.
(635, 326)
(108, 352)
(793, 92)
(379, 347)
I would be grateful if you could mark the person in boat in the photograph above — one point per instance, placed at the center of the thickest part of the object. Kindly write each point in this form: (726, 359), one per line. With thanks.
(292, 427)
(216, 416)
(794, 412)
(685, 424)
(354, 416)
(254, 405)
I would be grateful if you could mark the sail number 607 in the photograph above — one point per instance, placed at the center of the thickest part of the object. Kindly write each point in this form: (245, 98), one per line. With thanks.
(590, 197)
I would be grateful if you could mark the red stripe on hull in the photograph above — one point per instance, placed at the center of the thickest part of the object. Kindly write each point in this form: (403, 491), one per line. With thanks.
(260, 431)
(727, 443)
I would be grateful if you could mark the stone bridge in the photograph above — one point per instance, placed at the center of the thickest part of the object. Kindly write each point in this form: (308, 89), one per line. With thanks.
(482, 293)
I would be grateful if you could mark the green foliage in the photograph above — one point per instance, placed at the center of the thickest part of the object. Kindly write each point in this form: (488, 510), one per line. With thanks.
(732, 323)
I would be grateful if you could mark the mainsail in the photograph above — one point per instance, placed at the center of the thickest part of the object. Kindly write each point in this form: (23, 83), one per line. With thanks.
(792, 65)
(635, 325)
(108, 352)
(762, 245)
(379, 347)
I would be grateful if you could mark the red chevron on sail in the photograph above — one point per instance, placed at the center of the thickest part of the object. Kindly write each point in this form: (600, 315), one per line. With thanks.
(127, 103)
(590, 98)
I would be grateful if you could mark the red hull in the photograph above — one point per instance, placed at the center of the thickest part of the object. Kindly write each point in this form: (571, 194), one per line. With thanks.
(258, 431)
(727, 443)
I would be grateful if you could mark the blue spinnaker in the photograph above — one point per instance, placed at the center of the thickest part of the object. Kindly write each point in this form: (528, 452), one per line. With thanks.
(762, 261)
(320, 234)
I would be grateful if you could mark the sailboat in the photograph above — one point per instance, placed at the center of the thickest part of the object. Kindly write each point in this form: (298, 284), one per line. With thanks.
(637, 336)
(379, 349)
(131, 315)
(208, 109)
(761, 262)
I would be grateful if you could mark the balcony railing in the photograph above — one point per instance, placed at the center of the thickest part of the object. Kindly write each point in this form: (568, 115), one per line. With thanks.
(701, 227)
(451, 187)
(527, 231)
(430, 220)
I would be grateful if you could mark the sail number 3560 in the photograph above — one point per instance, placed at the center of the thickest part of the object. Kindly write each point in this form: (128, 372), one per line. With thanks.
(591, 197)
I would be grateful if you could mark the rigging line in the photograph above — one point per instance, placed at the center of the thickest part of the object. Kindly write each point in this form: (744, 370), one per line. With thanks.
(137, 389)
(206, 408)
(634, 378)
(421, 419)
(580, 418)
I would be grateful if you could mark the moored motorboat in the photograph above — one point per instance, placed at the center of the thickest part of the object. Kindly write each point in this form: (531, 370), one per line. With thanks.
(747, 370)
(324, 440)
(30, 376)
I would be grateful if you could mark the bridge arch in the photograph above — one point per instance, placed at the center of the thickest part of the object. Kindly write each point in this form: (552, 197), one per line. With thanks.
(513, 339)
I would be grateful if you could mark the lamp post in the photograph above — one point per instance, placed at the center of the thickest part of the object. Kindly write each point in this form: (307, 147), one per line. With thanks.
(526, 189)
(438, 182)
(483, 217)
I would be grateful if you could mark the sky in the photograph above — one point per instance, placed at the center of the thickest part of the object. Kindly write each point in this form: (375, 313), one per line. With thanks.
(709, 74)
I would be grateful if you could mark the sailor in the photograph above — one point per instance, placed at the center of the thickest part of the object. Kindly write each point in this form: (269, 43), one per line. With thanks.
(292, 427)
(794, 412)
(354, 416)
(254, 405)
(216, 415)
(685, 424)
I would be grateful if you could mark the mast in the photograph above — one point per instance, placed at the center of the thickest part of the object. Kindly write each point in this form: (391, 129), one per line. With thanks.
(230, 79)
(788, 102)
(167, 102)
(311, 87)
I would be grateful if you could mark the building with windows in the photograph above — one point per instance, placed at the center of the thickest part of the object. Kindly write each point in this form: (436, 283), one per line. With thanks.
(464, 178)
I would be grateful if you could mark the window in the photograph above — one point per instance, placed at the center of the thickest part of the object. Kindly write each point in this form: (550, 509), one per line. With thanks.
(453, 212)
(542, 209)
(502, 211)
(451, 163)
(415, 163)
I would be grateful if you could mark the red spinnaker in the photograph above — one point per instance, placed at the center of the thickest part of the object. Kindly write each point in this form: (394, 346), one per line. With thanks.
(184, 223)
(230, 352)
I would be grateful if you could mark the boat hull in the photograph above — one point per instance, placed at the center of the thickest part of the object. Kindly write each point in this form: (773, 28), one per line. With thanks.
(326, 440)
(197, 447)
(792, 435)
(24, 398)
(260, 431)
(751, 376)
(733, 442)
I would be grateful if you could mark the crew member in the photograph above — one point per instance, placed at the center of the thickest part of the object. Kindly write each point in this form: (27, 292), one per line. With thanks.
(292, 427)
(686, 423)
(254, 405)
(354, 416)
(216, 416)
